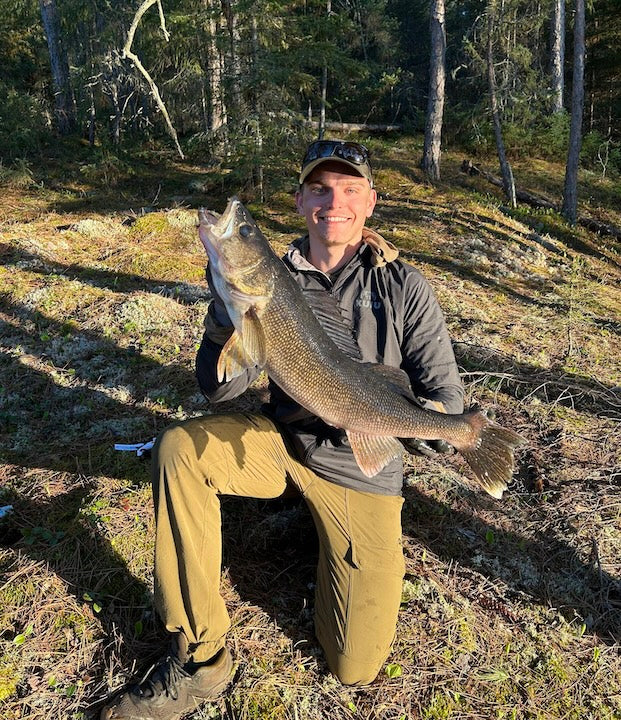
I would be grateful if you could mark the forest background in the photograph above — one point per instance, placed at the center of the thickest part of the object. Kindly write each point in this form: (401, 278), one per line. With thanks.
(239, 79)
(510, 609)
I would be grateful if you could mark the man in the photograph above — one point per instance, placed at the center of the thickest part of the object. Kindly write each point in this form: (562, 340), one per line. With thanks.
(379, 310)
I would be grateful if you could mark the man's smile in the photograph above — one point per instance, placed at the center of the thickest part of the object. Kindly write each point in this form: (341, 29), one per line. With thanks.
(333, 218)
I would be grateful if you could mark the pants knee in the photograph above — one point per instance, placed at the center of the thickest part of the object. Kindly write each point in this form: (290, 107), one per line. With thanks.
(171, 444)
(175, 456)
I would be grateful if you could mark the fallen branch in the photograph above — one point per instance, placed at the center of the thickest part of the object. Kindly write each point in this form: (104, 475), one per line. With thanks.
(562, 390)
(355, 127)
(470, 168)
(127, 52)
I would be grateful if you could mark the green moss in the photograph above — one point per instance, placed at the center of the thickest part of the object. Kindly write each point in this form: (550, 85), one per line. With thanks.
(467, 635)
(442, 707)
(9, 677)
(148, 224)
(17, 593)
(71, 620)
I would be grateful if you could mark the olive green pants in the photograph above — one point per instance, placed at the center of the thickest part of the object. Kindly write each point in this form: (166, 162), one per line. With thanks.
(360, 568)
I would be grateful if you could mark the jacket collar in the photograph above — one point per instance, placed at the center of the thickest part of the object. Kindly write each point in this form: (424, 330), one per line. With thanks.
(382, 250)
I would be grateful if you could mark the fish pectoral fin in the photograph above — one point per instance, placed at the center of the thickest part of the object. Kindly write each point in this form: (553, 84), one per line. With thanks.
(373, 452)
(253, 337)
(233, 360)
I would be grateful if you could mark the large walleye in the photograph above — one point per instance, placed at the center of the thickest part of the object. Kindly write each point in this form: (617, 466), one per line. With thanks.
(276, 329)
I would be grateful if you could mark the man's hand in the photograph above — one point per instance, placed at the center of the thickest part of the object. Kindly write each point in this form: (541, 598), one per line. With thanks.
(428, 448)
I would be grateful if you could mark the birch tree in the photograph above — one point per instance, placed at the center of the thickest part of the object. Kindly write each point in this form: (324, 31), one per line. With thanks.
(570, 193)
(557, 60)
(214, 106)
(435, 104)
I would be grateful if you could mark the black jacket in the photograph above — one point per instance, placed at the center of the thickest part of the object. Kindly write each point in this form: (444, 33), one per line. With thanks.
(395, 319)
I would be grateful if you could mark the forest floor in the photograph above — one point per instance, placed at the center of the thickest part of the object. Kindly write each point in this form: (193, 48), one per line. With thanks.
(510, 609)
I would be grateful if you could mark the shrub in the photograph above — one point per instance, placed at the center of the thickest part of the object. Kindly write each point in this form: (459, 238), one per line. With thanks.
(552, 137)
(23, 125)
(600, 154)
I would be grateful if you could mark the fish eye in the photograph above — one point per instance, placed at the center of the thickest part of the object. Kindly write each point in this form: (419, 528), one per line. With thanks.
(245, 230)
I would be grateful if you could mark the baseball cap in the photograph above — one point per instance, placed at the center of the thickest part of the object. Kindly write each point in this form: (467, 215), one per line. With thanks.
(352, 154)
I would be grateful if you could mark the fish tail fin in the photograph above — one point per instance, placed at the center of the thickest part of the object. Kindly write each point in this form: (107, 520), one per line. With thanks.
(491, 456)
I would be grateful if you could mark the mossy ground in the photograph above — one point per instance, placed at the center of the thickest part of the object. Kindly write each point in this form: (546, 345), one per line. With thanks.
(510, 609)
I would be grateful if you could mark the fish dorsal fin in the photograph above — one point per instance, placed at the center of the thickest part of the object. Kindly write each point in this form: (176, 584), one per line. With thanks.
(326, 309)
(373, 452)
(397, 379)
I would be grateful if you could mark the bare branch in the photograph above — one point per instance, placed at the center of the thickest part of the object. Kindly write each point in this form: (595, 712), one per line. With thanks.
(127, 52)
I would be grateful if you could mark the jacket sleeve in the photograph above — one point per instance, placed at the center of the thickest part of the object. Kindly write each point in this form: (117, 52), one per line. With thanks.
(218, 329)
(427, 353)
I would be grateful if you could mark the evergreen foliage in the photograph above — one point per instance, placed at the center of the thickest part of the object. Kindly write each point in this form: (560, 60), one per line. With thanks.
(270, 56)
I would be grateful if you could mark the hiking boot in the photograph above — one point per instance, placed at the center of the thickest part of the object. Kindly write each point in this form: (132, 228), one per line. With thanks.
(171, 688)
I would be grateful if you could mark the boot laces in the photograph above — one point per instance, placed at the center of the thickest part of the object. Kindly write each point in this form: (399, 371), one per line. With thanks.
(163, 677)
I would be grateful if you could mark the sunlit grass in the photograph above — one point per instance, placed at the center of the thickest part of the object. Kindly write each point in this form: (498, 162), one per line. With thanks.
(508, 608)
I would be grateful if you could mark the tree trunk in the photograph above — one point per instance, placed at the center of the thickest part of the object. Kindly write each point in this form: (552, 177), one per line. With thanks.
(92, 111)
(508, 183)
(64, 107)
(115, 132)
(216, 110)
(557, 54)
(233, 69)
(256, 104)
(435, 104)
(570, 193)
(322, 101)
(324, 87)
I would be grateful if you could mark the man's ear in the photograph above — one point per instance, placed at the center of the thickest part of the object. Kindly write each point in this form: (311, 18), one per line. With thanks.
(372, 202)
(298, 201)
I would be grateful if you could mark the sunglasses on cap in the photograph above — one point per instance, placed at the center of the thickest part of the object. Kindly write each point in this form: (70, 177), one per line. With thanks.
(349, 151)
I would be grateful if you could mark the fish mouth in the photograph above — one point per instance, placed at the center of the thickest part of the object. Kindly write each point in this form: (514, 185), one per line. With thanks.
(216, 230)
(220, 226)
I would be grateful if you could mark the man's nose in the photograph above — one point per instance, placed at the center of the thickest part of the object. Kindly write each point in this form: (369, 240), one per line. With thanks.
(335, 197)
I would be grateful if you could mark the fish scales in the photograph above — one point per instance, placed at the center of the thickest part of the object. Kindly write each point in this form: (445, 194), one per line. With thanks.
(276, 329)
(343, 396)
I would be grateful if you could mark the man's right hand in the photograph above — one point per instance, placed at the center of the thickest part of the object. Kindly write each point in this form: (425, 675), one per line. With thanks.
(428, 448)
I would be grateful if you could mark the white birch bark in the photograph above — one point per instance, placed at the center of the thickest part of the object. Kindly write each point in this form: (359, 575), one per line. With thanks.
(435, 104)
(557, 60)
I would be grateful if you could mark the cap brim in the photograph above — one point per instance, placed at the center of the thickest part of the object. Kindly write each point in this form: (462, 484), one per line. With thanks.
(362, 170)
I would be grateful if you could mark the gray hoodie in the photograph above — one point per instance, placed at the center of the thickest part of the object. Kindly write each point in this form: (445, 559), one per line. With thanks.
(395, 319)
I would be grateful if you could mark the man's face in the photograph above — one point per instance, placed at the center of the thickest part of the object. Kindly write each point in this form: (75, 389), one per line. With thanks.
(335, 204)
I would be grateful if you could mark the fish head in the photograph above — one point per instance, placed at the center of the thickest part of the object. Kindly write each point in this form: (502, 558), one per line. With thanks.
(236, 248)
